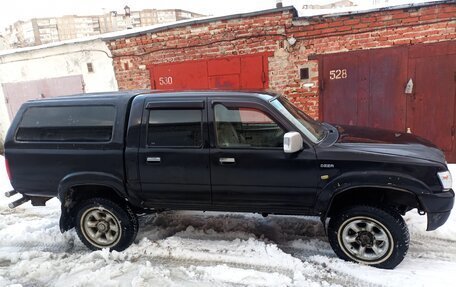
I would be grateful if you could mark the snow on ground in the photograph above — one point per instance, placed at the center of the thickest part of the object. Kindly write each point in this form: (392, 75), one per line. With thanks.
(208, 249)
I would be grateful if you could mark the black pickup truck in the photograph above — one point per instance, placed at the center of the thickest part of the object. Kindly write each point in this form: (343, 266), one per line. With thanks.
(110, 157)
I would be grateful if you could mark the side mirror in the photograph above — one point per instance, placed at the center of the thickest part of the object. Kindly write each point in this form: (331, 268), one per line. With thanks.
(292, 142)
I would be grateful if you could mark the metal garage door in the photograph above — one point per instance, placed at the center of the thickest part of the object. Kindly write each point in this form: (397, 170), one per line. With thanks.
(363, 88)
(228, 73)
(368, 88)
(18, 93)
(431, 107)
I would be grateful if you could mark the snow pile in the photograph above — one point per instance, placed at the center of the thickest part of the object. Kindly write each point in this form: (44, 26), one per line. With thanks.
(207, 249)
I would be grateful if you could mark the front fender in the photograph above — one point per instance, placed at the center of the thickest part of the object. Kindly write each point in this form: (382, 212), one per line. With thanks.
(364, 179)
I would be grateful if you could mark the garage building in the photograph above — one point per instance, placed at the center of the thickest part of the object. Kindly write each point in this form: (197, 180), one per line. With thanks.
(56, 69)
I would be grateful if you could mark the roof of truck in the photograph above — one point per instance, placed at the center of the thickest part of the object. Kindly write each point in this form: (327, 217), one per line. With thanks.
(99, 95)
(126, 95)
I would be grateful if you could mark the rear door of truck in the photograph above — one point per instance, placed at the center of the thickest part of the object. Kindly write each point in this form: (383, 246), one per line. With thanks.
(173, 154)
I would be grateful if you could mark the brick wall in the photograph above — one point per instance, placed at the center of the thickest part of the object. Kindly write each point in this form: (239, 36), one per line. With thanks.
(251, 35)
(268, 33)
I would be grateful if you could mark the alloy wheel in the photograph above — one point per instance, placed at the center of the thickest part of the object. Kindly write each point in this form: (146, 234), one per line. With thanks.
(365, 240)
(101, 227)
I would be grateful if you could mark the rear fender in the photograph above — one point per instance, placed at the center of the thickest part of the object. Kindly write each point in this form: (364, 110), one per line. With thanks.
(81, 179)
(90, 178)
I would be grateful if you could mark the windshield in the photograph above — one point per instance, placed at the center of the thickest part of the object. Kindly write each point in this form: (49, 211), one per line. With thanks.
(313, 129)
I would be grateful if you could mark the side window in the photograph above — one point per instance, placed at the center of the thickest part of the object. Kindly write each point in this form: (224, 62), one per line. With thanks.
(67, 124)
(176, 128)
(246, 127)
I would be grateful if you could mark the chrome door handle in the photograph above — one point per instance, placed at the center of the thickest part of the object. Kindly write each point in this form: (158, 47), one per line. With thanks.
(153, 159)
(227, 160)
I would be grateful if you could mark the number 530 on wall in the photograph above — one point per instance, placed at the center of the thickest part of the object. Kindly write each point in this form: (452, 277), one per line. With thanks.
(165, 81)
(338, 74)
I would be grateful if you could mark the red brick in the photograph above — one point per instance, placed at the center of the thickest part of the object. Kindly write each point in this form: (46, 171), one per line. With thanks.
(410, 20)
(368, 19)
(351, 22)
(344, 28)
(314, 32)
(361, 26)
(428, 17)
(329, 31)
(400, 16)
(318, 26)
(335, 24)
(449, 9)
(402, 42)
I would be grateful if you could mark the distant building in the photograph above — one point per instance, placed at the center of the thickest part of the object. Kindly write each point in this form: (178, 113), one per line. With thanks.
(74, 27)
(333, 4)
(327, 4)
(38, 31)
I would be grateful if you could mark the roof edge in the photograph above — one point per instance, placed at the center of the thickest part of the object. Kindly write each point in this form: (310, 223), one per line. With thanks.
(291, 9)
(9, 52)
(373, 10)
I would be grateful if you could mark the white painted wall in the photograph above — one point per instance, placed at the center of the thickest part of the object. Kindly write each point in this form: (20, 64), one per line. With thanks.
(57, 60)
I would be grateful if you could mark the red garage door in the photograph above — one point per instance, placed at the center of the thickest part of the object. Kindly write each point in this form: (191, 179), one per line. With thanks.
(368, 88)
(228, 73)
(365, 88)
(431, 108)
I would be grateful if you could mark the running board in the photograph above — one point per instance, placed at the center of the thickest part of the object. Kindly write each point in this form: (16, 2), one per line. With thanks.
(18, 202)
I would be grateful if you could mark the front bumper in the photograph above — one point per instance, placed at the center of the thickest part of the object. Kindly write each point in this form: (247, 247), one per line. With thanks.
(438, 208)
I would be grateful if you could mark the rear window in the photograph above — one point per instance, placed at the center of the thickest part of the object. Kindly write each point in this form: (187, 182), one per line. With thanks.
(67, 124)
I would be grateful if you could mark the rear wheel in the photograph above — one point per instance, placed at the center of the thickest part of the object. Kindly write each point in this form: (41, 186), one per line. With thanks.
(369, 235)
(101, 223)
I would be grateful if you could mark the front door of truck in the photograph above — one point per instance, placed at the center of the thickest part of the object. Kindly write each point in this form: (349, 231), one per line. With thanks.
(249, 169)
(173, 156)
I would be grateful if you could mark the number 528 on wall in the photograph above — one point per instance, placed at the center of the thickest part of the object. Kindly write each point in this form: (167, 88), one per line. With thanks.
(338, 74)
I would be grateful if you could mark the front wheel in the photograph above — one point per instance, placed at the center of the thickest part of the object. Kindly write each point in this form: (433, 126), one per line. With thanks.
(369, 235)
(101, 223)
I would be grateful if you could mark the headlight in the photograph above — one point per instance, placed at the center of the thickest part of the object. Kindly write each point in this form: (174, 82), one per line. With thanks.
(445, 179)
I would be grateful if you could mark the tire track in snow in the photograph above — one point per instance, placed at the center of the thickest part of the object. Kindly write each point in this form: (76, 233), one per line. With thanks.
(429, 247)
(283, 232)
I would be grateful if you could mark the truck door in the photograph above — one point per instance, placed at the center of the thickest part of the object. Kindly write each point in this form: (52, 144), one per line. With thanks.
(173, 155)
(249, 169)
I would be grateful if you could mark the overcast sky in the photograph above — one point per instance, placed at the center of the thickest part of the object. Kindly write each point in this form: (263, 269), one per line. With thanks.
(13, 10)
